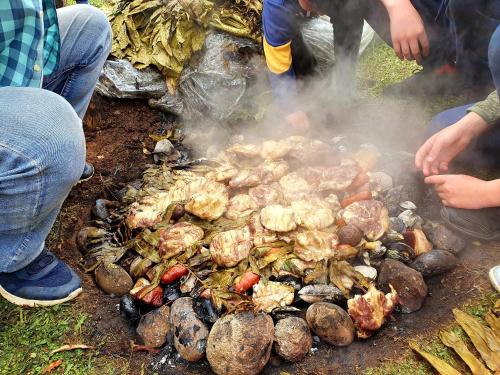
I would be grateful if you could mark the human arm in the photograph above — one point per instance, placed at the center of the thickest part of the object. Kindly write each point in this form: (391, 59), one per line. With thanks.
(280, 25)
(408, 35)
(434, 156)
(461, 191)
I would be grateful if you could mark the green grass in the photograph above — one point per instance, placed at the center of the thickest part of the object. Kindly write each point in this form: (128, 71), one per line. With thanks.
(27, 336)
(97, 3)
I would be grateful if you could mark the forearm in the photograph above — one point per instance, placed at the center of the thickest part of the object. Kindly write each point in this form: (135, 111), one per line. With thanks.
(472, 125)
(392, 5)
(493, 193)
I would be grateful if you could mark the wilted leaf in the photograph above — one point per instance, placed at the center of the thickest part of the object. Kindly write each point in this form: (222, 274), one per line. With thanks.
(441, 366)
(453, 341)
(482, 337)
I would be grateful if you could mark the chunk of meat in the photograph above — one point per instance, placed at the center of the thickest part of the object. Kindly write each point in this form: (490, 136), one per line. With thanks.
(240, 205)
(338, 178)
(266, 195)
(148, 211)
(208, 199)
(244, 150)
(245, 178)
(333, 203)
(370, 310)
(367, 157)
(270, 295)
(370, 216)
(260, 234)
(272, 150)
(313, 245)
(278, 218)
(222, 173)
(313, 152)
(177, 238)
(294, 187)
(312, 215)
(271, 171)
(228, 248)
(313, 175)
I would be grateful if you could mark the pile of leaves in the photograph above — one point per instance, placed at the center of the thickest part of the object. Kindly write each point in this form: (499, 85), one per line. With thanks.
(485, 339)
(166, 33)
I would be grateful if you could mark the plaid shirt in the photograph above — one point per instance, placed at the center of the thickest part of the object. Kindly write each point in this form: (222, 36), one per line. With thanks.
(29, 42)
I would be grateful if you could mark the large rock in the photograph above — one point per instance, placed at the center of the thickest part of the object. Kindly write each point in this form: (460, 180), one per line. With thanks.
(434, 262)
(408, 283)
(190, 333)
(292, 338)
(443, 238)
(331, 323)
(154, 327)
(240, 344)
(113, 279)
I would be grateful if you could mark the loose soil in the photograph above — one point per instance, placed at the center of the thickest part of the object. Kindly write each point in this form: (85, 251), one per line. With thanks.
(115, 142)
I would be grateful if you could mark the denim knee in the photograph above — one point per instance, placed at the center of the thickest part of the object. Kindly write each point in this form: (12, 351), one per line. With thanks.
(494, 56)
(96, 20)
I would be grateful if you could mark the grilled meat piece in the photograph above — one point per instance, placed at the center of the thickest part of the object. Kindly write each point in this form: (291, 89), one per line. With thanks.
(245, 178)
(294, 187)
(312, 214)
(313, 245)
(260, 234)
(272, 150)
(273, 170)
(370, 216)
(338, 178)
(333, 203)
(223, 173)
(208, 199)
(278, 218)
(370, 310)
(244, 150)
(148, 211)
(266, 195)
(240, 205)
(228, 248)
(177, 238)
(270, 295)
(313, 175)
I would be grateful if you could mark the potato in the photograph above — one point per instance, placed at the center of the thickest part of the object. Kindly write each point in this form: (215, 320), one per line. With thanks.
(240, 344)
(331, 323)
(292, 338)
(113, 279)
(350, 235)
(190, 333)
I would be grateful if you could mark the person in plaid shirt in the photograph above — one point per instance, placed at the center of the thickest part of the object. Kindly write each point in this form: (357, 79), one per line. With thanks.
(50, 61)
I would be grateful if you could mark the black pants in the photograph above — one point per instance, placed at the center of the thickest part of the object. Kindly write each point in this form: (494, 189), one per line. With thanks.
(347, 18)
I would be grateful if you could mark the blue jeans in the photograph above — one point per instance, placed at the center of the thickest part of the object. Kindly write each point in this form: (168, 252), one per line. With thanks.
(42, 145)
(483, 151)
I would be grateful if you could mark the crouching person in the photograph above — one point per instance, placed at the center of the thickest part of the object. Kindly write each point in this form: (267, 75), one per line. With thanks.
(470, 133)
(49, 64)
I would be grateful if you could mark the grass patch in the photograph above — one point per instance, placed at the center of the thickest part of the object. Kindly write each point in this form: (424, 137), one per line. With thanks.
(96, 3)
(409, 365)
(380, 67)
(27, 336)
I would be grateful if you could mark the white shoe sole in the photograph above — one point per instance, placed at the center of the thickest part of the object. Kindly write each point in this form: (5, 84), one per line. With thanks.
(493, 280)
(23, 302)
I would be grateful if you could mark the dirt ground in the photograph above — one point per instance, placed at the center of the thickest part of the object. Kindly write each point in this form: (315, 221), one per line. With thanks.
(115, 147)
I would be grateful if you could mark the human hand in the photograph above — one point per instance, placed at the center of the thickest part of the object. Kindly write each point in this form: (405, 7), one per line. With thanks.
(299, 121)
(434, 156)
(461, 191)
(408, 35)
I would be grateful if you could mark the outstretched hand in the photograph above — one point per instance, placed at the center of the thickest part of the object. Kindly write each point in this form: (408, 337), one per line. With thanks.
(435, 155)
(461, 191)
(299, 121)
